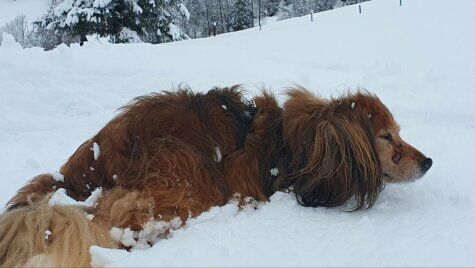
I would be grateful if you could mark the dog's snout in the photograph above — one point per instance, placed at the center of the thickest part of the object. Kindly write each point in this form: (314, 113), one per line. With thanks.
(426, 164)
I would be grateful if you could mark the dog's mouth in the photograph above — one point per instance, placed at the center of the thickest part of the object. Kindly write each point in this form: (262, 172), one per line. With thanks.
(388, 178)
(391, 179)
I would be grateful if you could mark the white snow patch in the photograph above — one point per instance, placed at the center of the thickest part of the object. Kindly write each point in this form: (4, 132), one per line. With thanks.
(218, 155)
(57, 176)
(137, 9)
(9, 43)
(131, 36)
(96, 150)
(127, 238)
(151, 233)
(90, 216)
(224, 107)
(353, 105)
(47, 234)
(176, 32)
(274, 172)
(184, 11)
(101, 3)
(116, 233)
(61, 198)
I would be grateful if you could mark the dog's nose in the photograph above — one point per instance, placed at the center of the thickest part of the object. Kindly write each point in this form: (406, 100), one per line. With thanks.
(426, 164)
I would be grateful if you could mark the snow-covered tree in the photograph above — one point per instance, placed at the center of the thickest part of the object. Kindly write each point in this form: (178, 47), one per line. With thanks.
(285, 10)
(241, 17)
(270, 7)
(122, 20)
(340, 3)
(300, 7)
(18, 28)
(28, 35)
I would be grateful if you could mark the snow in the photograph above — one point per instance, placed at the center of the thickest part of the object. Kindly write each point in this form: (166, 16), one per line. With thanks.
(184, 11)
(126, 238)
(137, 9)
(61, 198)
(100, 3)
(274, 172)
(152, 232)
(418, 59)
(218, 155)
(175, 32)
(129, 35)
(96, 150)
(8, 42)
(57, 176)
(47, 234)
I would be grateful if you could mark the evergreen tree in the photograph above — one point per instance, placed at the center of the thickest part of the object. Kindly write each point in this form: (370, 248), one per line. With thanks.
(149, 20)
(241, 18)
(197, 23)
(270, 7)
(285, 9)
(299, 7)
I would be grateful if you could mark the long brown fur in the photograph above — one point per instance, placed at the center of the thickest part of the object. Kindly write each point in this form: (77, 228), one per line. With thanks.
(177, 154)
(331, 149)
(23, 239)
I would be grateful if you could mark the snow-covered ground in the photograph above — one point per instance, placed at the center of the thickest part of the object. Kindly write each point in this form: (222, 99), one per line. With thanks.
(419, 58)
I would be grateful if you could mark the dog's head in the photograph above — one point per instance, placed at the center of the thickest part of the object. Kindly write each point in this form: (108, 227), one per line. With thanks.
(400, 161)
(345, 148)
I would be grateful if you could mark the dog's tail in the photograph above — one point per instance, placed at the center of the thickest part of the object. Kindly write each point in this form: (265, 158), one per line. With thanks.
(45, 235)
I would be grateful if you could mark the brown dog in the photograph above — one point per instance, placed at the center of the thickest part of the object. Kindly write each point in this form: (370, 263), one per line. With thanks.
(177, 154)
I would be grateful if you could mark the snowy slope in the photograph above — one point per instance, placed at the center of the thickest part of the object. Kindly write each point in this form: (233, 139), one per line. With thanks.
(418, 58)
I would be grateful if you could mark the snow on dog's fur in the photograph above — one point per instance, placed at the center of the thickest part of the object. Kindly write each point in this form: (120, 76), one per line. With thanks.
(172, 156)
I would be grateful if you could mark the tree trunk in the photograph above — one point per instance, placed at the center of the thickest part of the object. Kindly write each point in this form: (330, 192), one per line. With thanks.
(223, 22)
(207, 19)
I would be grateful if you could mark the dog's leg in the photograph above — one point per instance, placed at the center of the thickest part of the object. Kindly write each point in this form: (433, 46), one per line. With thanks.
(125, 208)
(183, 182)
(179, 180)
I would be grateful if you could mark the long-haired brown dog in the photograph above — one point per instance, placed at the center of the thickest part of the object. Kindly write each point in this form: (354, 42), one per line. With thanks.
(177, 154)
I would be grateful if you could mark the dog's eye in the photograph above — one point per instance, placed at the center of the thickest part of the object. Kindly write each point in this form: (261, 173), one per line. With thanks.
(387, 137)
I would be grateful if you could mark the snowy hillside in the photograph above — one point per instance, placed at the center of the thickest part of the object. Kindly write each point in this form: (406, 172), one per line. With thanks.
(418, 58)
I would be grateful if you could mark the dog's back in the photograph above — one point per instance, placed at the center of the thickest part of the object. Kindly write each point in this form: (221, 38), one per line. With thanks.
(164, 156)
(205, 125)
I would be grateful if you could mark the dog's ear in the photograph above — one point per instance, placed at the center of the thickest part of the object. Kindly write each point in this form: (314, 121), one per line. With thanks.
(341, 162)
